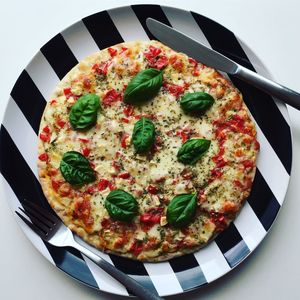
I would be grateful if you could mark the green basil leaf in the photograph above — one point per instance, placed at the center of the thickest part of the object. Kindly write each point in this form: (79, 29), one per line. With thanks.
(197, 102)
(121, 205)
(144, 86)
(143, 135)
(76, 169)
(192, 150)
(182, 209)
(83, 113)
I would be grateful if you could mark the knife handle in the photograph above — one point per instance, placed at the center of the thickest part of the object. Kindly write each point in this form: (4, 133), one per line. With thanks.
(278, 91)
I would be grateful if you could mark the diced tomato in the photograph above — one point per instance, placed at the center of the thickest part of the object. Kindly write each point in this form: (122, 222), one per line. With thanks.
(68, 93)
(45, 137)
(111, 186)
(161, 62)
(123, 140)
(91, 189)
(84, 140)
(105, 223)
(174, 89)
(128, 110)
(46, 129)
(219, 220)
(176, 63)
(87, 83)
(60, 123)
(64, 190)
(44, 157)
(86, 151)
(248, 164)
(195, 71)
(188, 175)
(113, 52)
(82, 211)
(110, 97)
(153, 58)
(183, 135)
(55, 184)
(238, 184)
(123, 50)
(125, 120)
(53, 102)
(216, 173)
(102, 68)
(152, 216)
(152, 189)
(103, 184)
(193, 61)
(116, 165)
(125, 175)
(154, 51)
(256, 145)
(136, 248)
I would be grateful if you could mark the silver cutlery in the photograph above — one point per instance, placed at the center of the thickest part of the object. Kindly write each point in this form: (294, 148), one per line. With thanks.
(51, 229)
(183, 43)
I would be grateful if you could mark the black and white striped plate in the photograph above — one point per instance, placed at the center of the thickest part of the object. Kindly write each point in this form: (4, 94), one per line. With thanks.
(19, 155)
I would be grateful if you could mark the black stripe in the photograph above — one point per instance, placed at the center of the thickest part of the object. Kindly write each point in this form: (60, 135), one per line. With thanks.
(263, 201)
(29, 99)
(135, 269)
(59, 55)
(150, 11)
(232, 245)
(102, 29)
(25, 186)
(261, 105)
(188, 271)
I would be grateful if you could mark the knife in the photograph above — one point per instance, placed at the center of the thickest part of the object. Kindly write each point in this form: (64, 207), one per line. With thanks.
(183, 43)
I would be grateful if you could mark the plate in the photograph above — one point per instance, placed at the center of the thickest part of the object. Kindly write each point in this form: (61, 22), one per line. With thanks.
(18, 148)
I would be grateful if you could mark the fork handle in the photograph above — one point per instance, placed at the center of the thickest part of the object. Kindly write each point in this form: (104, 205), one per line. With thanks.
(132, 285)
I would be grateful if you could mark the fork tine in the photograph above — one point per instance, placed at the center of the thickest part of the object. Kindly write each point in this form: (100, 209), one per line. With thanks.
(45, 213)
(36, 221)
(33, 227)
(38, 216)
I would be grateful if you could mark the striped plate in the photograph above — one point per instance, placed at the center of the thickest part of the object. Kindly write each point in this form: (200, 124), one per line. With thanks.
(19, 154)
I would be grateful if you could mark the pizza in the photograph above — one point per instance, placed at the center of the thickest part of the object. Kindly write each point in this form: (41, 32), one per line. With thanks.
(145, 152)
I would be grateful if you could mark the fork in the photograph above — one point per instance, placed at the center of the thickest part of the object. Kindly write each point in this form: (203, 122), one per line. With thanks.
(51, 229)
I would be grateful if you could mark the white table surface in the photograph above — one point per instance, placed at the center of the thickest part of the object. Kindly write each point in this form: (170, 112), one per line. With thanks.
(271, 29)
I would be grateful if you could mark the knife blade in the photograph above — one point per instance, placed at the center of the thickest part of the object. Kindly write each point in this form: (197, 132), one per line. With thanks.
(183, 43)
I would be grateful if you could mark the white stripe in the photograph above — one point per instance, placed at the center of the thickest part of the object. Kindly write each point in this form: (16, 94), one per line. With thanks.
(42, 75)
(105, 282)
(21, 133)
(163, 278)
(80, 40)
(212, 262)
(249, 227)
(262, 70)
(184, 21)
(128, 24)
(272, 168)
(14, 204)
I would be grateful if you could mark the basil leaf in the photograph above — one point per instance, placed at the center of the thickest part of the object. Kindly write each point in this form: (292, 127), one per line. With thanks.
(197, 102)
(144, 86)
(83, 113)
(76, 169)
(182, 209)
(121, 205)
(143, 135)
(192, 150)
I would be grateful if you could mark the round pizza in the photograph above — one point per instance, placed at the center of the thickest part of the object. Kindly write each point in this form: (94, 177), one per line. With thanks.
(145, 152)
